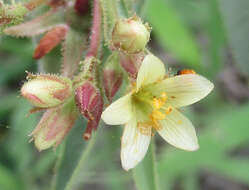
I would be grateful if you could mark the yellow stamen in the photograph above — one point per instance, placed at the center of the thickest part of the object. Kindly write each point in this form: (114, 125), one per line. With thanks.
(157, 103)
(164, 96)
(133, 84)
(157, 115)
(145, 127)
(156, 125)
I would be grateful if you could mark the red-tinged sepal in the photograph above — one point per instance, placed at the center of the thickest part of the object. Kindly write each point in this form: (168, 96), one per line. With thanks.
(82, 7)
(112, 83)
(38, 25)
(51, 39)
(90, 104)
(46, 91)
(131, 63)
(112, 76)
(54, 125)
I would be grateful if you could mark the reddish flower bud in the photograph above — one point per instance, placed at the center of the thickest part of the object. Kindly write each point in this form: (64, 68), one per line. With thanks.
(51, 39)
(54, 125)
(131, 63)
(112, 76)
(46, 91)
(112, 83)
(90, 104)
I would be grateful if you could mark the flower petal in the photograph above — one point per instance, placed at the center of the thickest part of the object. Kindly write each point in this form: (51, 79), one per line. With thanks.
(151, 70)
(179, 131)
(134, 145)
(185, 89)
(119, 112)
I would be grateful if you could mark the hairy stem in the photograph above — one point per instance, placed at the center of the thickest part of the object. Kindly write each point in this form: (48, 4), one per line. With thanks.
(34, 3)
(110, 15)
(95, 30)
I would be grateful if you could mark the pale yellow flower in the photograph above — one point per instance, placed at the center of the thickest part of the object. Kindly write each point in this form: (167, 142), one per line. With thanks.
(152, 105)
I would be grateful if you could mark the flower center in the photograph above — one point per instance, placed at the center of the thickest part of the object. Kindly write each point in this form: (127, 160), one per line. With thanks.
(159, 112)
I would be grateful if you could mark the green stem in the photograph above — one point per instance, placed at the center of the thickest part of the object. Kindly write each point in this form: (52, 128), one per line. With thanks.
(110, 16)
(145, 174)
(128, 5)
(74, 178)
(155, 173)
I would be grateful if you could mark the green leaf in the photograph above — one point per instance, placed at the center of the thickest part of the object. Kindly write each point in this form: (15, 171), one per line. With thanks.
(233, 168)
(73, 159)
(172, 34)
(8, 180)
(44, 163)
(145, 174)
(191, 182)
(18, 144)
(216, 36)
(15, 58)
(7, 103)
(236, 19)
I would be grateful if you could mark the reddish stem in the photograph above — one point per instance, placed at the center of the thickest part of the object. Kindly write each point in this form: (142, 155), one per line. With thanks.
(95, 30)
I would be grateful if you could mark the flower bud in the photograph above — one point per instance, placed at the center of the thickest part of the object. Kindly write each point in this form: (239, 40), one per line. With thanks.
(131, 63)
(112, 76)
(51, 39)
(54, 125)
(46, 91)
(130, 35)
(90, 104)
(11, 14)
(82, 7)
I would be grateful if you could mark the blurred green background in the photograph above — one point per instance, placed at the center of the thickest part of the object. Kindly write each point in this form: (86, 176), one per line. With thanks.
(210, 36)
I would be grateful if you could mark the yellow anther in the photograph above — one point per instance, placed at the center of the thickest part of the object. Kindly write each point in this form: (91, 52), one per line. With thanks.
(133, 84)
(164, 97)
(168, 110)
(157, 115)
(145, 127)
(156, 125)
(157, 103)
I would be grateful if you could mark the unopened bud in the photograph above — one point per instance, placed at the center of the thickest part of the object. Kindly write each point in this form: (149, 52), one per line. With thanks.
(46, 91)
(51, 39)
(54, 125)
(82, 7)
(130, 35)
(11, 14)
(112, 76)
(131, 63)
(90, 104)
